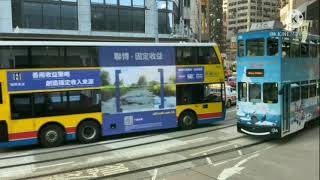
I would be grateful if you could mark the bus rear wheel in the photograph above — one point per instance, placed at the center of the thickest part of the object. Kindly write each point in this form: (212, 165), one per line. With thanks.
(51, 135)
(187, 120)
(88, 132)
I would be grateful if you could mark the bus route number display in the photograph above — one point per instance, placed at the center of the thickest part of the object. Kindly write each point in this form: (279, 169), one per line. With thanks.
(255, 72)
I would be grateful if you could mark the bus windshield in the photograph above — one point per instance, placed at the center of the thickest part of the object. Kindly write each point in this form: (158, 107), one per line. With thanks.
(255, 47)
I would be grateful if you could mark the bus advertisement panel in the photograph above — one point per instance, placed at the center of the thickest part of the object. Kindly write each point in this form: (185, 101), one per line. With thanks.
(138, 89)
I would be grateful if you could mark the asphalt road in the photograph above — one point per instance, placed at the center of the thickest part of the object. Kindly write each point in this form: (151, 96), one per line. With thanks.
(209, 152)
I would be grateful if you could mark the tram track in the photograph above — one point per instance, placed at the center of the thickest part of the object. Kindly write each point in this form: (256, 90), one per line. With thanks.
(102, 143)
(156, 133)
(235, 149)
(103, 151)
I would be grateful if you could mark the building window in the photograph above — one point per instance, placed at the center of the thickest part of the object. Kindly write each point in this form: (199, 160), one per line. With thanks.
(167, 12)
(118, 15)
(53, 14)
(186, 3)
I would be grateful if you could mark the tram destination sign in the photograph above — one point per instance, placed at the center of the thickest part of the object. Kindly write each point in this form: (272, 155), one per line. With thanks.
(255, 72)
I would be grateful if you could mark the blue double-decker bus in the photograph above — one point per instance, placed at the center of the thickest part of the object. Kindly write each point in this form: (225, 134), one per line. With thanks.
(278, 82)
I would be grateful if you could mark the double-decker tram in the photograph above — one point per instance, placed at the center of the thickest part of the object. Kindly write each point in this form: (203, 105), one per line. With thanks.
(278, 82)
(56, 91)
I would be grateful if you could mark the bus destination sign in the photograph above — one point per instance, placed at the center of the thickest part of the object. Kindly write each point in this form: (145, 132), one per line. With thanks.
(255, 72)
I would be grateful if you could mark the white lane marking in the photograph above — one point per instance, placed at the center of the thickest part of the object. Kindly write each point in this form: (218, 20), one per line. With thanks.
(236, 169)
(196, 140)
(228, 160)
(239, 151)
(202, 152)
(61, 164)
(208, 159)
(155, 173)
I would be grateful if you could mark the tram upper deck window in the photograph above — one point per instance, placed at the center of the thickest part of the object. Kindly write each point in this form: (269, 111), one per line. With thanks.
(242, 91)
(313, 48)
(304, 49)
(255, 47)
(295, 48)
(270, 93)
(286, 45)
(255, 92)
(273, 46)
(240, 48)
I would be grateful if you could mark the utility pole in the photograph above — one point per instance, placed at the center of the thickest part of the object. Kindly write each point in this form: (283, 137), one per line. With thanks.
(156, 19)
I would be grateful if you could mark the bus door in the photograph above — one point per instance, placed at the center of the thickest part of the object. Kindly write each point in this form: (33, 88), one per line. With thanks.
(286, 109)
(3, 111)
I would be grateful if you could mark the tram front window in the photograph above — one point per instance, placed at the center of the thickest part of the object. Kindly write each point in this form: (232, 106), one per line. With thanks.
(255, 93)
(255, 47)
(273, 47)
(270, 93)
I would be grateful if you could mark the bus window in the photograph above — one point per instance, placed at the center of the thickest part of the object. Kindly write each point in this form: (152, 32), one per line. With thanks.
(240, 48)
(21, 106)
(270, 93)
(190, 94)
(295, 48)
(84, 101)
(179, 56)
(295, 92)
(242, 91)
(272, 46)
(1, 94)
(313, 90)
(255, 47)
(47, 104)
(207, 55)
(255, 92)
(187, 55)
(286, 45)
(304, 50)
(213, 93)
(304, 91)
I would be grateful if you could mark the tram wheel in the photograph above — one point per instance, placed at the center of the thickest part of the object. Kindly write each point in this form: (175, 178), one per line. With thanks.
(88, 132)
(51, 135)
(187, 120)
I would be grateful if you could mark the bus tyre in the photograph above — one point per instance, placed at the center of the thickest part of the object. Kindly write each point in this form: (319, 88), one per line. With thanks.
(187, 120)
(228, 104)
(88, 132)
(52, 136)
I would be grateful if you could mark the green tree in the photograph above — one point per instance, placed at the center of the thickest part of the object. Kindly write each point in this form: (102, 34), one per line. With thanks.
(105, 78)
(142, 81)
(172, 79)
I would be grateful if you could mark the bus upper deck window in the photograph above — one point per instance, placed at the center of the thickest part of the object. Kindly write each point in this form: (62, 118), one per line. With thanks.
(273, 46)
(255, 47)
(255, 92)
(240, 48)
(1, 94)
(270, 93)
(207, 55)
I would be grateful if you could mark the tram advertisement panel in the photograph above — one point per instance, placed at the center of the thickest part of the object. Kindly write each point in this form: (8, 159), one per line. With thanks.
(138, 89)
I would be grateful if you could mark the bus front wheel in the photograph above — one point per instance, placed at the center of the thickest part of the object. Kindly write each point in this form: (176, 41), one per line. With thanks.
(187, 120)
(51, 135)
(88, 132)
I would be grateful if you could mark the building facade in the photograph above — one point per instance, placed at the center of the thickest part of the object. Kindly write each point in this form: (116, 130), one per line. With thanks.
(242, 13)
(98, 20)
